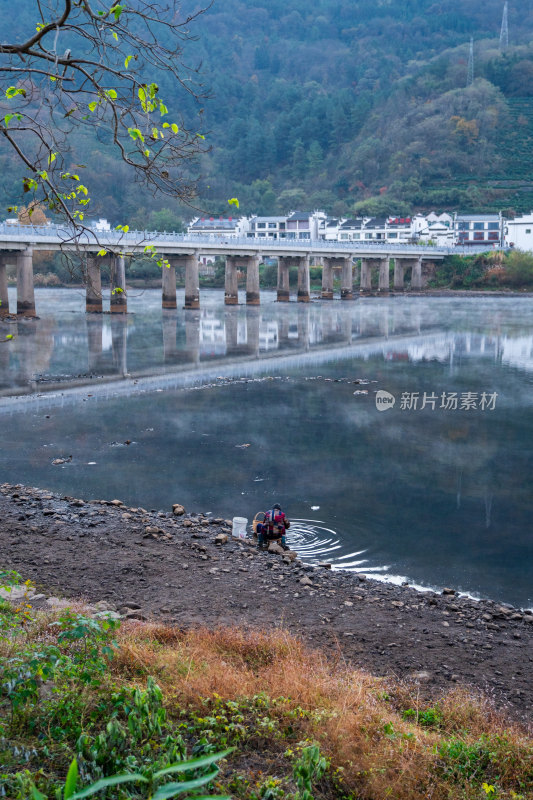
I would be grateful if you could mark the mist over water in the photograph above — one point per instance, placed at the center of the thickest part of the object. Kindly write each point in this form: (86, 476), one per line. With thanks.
(231, 409)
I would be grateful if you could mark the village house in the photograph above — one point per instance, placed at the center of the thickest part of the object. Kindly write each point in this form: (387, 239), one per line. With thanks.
(221, 227)
(267, 228)
(518, 232)
(478, 229)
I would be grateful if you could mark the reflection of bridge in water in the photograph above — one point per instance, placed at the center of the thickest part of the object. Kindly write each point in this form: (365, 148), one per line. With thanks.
(238, 340)
(232, 335)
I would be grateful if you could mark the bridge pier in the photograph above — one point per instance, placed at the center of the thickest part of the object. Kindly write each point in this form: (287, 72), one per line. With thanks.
(304, 283)
(231, 291)
(416, 275)
(398, 275)
(119, 301)
(252, 281)
(384, 270)
(168, 286)
(283, 280)
(4, 296)
(347, 279)
(192, 282)
(25, 290)
(93, 290)
(366, 276)
(327, 278)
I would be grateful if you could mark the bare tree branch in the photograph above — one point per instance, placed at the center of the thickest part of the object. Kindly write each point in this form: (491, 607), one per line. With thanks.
(106, 76)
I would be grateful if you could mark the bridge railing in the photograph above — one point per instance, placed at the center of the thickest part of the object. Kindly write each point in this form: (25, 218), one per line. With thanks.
(60, 233)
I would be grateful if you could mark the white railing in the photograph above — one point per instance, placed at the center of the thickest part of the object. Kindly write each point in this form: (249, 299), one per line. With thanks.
(60, 234)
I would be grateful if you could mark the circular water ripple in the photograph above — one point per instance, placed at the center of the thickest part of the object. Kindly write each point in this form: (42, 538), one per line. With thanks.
(314, 542)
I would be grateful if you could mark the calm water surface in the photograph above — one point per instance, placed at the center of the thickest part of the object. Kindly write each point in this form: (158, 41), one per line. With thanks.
(230, 410)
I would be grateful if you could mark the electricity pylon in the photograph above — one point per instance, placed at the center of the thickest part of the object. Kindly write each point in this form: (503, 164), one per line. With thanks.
(504, 33)
(470, 74)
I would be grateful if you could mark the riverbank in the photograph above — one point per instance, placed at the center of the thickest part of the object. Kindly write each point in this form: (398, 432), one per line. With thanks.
(156, 565)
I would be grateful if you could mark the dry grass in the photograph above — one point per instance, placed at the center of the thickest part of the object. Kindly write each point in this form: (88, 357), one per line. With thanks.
(375, 753)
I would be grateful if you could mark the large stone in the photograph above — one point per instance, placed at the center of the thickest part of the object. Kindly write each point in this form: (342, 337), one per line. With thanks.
(103, 605)
(178, 509)
(305, 581)
(423, 676)
(276, 548)
(221, 538)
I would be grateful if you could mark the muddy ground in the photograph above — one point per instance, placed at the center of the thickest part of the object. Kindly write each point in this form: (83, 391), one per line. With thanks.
(157, 565)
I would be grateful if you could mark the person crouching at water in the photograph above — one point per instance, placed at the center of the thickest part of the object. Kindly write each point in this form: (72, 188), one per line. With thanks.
(273, 527)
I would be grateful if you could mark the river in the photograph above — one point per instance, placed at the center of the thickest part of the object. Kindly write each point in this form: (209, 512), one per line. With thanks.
(228, 410)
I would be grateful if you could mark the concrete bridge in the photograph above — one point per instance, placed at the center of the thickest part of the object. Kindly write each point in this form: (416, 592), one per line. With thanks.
(19, 242)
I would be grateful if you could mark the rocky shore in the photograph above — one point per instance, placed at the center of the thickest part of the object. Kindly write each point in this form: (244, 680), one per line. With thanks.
(187, 570)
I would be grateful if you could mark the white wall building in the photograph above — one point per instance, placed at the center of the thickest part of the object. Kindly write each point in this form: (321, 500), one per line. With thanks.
(221, 227)
(518, 232)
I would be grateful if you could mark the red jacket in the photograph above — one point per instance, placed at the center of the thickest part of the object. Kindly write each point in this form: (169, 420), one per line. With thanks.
(276, 522)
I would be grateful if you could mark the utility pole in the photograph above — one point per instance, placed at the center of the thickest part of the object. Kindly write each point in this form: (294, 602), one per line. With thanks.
(470, 75)
(504, 33)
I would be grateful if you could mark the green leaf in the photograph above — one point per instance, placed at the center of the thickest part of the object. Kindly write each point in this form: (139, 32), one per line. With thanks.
(111, 93)
(117, 11)
(142, 96)
(13, 91)
(127, 61)
(162, 108)
(9, 117)
(102, 253)
(51, 158)
(194, 763)
(147, 153)
(234, 202)
(104, 783)
(173, 789)
(36, 794)
(174, 128)
(72, 779)
(114, 34)
(9, 336)
(92, 106)
(135, 134)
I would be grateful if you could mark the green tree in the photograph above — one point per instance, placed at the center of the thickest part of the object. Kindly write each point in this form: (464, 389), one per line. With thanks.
(299, 160)
(96, 65)
(315, 157)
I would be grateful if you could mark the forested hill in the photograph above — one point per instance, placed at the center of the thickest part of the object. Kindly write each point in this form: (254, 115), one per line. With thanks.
(348, 104)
